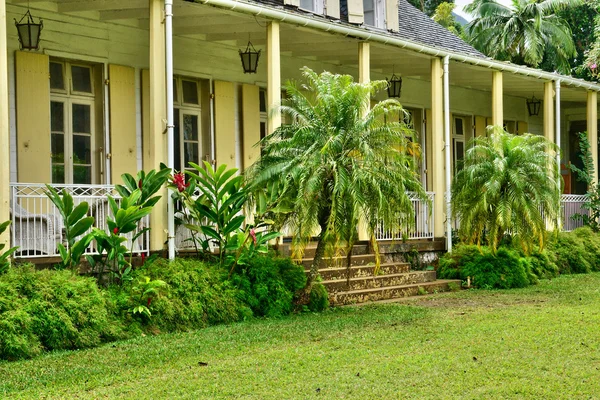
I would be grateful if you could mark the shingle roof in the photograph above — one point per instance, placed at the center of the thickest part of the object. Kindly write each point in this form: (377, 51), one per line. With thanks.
(414, 26)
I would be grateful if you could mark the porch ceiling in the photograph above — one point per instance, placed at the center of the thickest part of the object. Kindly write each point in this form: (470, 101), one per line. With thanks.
(215, 25)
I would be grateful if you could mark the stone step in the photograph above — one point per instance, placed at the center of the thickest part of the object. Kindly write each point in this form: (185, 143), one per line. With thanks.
(391, 292)
(380, 281)
(358, 271)
(309, 251)
(338, 262)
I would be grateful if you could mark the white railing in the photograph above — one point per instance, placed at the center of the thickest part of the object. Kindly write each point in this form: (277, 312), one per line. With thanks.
(423, 223)
(37, 226)
(571, 205)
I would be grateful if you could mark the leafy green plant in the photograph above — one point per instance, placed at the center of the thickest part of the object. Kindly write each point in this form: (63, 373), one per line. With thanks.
(586, 175)
(76, 223)
(504, 269)
(319, 298)
(144, 292)
(268, 284)
(137, 201)
(52, 310)
(5, 256)
(575, 252)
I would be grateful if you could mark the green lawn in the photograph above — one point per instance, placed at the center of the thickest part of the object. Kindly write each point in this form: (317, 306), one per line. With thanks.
(541, 342)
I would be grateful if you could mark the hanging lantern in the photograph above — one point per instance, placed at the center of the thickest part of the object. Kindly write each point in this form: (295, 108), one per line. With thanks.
(29, 32)
(394, 86)
(250, 59)
(533, 106)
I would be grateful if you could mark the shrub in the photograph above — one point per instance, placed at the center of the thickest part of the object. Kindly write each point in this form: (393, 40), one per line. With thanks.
(197, 294)
(49, 310)
(319, 299)
(569, 253)
(504, 270)
(268, 284)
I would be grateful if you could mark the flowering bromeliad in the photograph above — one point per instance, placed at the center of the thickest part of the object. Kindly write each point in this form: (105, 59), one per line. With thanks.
(178, 180)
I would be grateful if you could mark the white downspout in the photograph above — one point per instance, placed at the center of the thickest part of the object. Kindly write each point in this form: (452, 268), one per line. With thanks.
(170, 121)
(447, 153)
(557, 114)
(107, 167)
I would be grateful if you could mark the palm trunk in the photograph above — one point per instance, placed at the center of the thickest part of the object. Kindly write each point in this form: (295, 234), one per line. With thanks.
(314, 267)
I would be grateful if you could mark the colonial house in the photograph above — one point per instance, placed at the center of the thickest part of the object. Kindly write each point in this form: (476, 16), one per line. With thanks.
(91, 102)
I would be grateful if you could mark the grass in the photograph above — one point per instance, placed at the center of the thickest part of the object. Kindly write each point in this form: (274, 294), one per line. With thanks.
(539, 342)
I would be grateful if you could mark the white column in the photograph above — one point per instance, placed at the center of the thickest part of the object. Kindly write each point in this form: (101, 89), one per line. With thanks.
(4, 128)
(447, 154)
(170, 121)
(592, 129)
(273, 77)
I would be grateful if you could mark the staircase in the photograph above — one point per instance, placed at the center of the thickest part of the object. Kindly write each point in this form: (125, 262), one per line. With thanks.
(360, 285)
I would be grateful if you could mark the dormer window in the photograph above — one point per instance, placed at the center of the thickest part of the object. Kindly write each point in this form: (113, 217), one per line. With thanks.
(315, 6)
(374, 12)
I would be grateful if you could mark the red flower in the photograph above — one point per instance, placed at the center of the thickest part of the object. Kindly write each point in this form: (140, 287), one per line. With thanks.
(143, 258)
(116, 230)
(149, 301)
(140, 184)
(179, 181)
(253, 234)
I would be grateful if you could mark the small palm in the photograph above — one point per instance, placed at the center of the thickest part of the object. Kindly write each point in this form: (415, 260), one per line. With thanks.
(508, 183)
(338, 163)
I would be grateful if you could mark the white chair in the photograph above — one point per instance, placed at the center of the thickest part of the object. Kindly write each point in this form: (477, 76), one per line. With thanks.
(35, 234)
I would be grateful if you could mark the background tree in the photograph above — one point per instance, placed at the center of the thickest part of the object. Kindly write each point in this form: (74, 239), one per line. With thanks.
(524, 33)
(505, 183)
(338, 164)
(443, 16)
(428, 6)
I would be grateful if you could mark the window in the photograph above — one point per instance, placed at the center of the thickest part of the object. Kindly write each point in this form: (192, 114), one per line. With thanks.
(374, 13)
(187, 121)
(263, 112)
(72, 122)
(316, 6)
(461, 135)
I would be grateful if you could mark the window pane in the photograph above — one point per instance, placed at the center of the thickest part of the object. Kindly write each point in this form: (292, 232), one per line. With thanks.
(263, 101)
(81, 118)
(82, 174)
(307, 4)
(175, 98)
(190, 127)
(82, 79)
(263, 130)
(459, 126)
(57, 78)
(369, 12)
(190, 92)
(82, 151)
(57, 144)
(191, 153)
(57, 116)
(58, 173)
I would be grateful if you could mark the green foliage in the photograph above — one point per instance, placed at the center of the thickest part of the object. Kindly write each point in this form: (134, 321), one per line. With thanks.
(429, 6)
(76, 223)
(268, 284)
(525, 33)
(576, 252)
(50, 310)
(586, 175)
(504, 184)
(5, 256)
(137, 200)
(319, 298)
(336, 162)
(503, 270)
(443, 16)
(196, 295)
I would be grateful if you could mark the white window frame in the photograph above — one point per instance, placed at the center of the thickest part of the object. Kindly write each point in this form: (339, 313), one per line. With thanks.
(379, 14)
(318, 6)
(67, 96)
(190, 109)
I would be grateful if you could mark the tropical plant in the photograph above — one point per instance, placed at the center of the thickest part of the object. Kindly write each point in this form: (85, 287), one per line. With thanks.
(508, 184)
(587, 176)
(429, 6)
(137, 200)
(339, 162)
(443, 15)
(76, 223)
(525, 33)
(5, 256)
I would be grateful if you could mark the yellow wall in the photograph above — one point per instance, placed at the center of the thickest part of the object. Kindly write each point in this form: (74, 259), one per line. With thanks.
(33, 117)
(224, 123)
(123, 146)
(251, 124)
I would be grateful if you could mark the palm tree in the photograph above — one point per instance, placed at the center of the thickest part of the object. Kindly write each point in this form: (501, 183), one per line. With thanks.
(339, 163)
(507, 184)
(524, 33)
